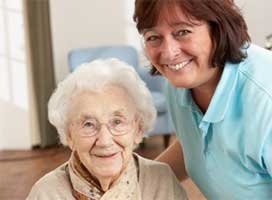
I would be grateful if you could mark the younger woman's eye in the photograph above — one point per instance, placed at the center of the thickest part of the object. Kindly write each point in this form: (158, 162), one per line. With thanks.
(152, 40)
(182, 33)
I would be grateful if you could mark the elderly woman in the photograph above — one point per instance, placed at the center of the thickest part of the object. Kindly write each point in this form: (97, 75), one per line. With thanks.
(101, 111)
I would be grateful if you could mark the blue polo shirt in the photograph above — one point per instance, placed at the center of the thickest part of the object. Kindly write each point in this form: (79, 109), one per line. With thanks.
(228, 151)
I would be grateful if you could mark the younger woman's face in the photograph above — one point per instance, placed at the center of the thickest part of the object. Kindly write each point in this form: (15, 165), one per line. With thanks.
(180, 49)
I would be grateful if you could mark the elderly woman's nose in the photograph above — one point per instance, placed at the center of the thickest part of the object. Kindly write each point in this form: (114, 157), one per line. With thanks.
(104, 137)
(170, 48)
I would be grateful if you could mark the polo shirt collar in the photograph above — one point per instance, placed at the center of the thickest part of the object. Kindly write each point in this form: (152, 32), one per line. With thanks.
(221, 98)
(223, 94)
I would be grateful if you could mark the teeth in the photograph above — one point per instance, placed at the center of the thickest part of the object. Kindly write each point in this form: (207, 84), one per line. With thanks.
(178, 66)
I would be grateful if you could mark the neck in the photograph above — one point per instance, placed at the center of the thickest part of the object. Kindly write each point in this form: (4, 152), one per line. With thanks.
(202, 99)
(106, 183)
(203, 94)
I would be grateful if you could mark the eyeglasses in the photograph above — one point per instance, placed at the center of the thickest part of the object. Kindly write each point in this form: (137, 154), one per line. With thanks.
(117, 126)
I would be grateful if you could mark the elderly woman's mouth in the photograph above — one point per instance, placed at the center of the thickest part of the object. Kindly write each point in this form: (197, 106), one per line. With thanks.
(109, 155)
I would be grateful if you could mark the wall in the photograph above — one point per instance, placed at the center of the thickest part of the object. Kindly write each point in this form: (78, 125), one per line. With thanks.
(85, 23)
(14, 127)
(258, 16)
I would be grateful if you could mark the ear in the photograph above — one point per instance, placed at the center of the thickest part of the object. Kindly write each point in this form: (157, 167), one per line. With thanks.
(138, 135)
(69, 140)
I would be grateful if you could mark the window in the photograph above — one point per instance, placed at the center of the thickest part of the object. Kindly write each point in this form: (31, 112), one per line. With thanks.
(13, 76)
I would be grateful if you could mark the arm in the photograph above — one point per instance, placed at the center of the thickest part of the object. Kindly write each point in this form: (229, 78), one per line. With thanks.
(173, 156)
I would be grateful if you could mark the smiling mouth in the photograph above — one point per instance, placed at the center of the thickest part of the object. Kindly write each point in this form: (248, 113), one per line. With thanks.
(178, 66)
(106, 155)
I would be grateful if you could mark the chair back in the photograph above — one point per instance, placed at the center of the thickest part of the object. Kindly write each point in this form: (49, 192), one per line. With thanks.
(125, 53)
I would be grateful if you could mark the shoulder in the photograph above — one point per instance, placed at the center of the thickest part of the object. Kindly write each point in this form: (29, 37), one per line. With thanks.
(256, 69)
(258, 54)
(252, 105)
(152, 166)
(253, 83)
(51, 185)
(163, 181)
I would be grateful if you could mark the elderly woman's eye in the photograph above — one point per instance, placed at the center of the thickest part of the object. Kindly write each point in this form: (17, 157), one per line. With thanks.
(117, 121)
(89, 125)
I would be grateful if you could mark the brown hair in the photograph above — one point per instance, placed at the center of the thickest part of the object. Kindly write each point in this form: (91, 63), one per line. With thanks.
(228, 27)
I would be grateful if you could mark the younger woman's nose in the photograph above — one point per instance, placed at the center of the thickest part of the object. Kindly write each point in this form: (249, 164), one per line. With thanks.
(170, 48)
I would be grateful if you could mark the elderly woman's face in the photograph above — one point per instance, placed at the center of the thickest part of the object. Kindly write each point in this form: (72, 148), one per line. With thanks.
(103, 130)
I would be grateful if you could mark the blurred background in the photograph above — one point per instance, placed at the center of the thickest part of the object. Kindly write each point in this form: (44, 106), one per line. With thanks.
(35, 39)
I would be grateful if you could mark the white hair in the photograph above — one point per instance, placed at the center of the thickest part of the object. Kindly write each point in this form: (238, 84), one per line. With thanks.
(95, 76)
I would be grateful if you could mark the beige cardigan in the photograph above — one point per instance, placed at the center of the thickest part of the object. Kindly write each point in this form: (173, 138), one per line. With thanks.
(156, 180)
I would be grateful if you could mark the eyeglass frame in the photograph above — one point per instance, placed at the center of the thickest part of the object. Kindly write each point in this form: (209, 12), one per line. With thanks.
(98, 127)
